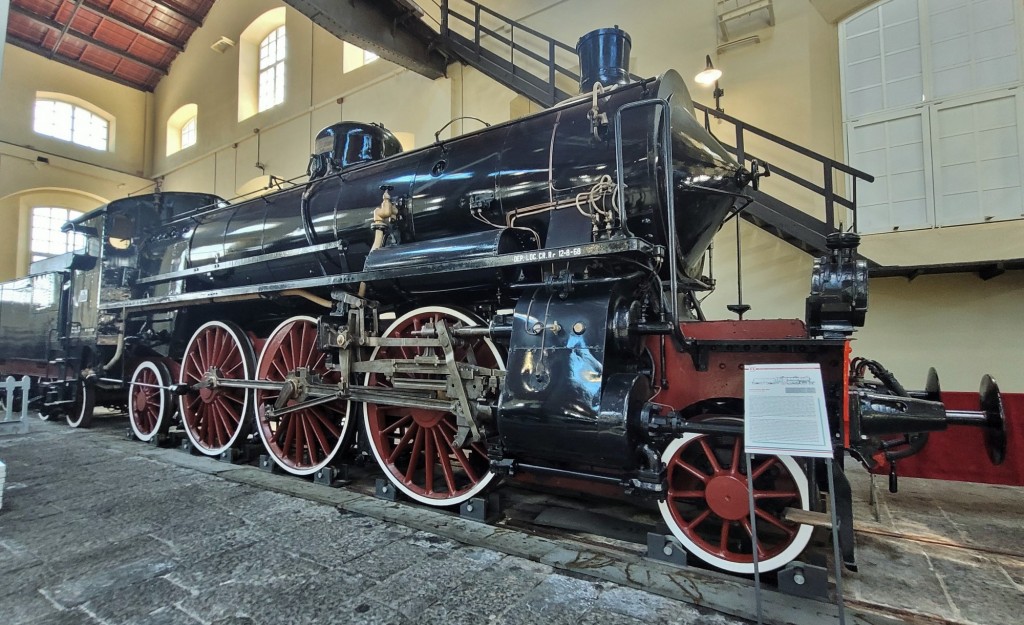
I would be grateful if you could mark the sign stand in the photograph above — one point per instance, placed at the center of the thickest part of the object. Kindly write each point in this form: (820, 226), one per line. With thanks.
(785, 414)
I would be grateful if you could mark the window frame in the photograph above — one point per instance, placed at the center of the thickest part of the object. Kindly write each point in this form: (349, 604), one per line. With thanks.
(189, 132)
(175, 127)
(72, 240)
(274, 70)
(76, 107)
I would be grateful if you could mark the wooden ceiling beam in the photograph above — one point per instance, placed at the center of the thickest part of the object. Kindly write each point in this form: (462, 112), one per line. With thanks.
(138, 31)
(176, 12)
(31, 47)
(55, 25)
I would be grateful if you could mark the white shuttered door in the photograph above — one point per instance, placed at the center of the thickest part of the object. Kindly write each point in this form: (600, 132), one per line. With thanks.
(932, 108)
(977, 160)
(894, 148)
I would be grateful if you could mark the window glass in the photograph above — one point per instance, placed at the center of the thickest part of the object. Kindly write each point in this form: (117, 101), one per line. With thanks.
(271, 83)
(188, 133)
(68, 122)
(47, 239)
(354, 57)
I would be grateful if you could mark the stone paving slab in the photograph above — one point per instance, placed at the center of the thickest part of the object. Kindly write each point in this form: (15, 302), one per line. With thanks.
(137, 535)
(200, 541)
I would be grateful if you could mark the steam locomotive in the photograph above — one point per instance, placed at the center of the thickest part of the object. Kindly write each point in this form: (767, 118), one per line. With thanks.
(516, 301)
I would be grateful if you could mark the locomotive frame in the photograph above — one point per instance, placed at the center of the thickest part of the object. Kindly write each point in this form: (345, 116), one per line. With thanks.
(541, 278)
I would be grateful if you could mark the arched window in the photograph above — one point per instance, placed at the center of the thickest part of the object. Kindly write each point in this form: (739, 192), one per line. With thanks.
(47, 238)
(182, 128)
(261, 64)
(354, 57)
(70, 119)
(272, 53)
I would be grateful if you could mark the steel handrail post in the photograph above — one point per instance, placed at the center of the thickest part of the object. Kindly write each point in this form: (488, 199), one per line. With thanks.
(476, 27)
(666, 141)
(551, 70)
(830, 208)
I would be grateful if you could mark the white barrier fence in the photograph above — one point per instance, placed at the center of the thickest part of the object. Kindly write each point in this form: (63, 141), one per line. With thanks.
(11, 420)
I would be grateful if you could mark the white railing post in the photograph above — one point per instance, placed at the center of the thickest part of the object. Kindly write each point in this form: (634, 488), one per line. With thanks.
(8, 422)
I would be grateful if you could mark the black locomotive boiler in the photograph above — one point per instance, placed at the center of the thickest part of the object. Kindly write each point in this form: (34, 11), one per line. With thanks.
(516, 301)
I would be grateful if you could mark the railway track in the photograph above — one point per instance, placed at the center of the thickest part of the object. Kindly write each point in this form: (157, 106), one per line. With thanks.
(613, 532)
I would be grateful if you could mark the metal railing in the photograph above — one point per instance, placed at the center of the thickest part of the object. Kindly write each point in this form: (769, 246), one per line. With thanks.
(512, 28)
(829, 166)
(552, 69)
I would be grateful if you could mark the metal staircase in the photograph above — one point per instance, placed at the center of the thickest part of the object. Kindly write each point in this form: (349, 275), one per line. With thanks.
(538, 67)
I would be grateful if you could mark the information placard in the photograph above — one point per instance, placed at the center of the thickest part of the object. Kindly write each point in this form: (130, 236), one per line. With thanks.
(785, 410)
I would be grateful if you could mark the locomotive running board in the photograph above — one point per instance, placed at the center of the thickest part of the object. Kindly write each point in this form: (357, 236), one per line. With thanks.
(574, 252)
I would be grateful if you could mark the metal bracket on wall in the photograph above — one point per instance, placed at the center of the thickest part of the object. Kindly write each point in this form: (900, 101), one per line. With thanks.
(741, 15)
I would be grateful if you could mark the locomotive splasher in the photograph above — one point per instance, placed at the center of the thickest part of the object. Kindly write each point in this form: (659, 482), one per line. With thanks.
(540, 275)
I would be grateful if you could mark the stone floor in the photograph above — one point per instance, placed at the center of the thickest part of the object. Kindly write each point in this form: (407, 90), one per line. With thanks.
(97, 530)
(951, 550)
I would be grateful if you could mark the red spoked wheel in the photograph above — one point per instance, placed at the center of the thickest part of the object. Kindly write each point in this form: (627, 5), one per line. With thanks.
(150, 404)
(304, 441)
(216, 417)
(707, 505)
(415, 446)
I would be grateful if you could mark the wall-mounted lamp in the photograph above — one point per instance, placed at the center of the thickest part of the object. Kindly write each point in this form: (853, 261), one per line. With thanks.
(709, 77)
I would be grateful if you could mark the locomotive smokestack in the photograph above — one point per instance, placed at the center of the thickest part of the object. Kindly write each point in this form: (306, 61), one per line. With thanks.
(604, 58)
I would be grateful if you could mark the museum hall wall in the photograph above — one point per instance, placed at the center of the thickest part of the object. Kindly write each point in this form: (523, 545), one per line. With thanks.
(788, 83)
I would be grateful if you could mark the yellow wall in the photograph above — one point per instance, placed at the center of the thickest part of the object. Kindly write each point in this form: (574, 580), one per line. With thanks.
(74, 177)
(787, 84)
(26, 73)
(26, 182)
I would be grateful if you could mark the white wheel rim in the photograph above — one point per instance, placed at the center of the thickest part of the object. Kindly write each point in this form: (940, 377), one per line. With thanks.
(346, 426)
(77, 421)
(484, 480)
(147, 365)
(198, 444)
(795, 548)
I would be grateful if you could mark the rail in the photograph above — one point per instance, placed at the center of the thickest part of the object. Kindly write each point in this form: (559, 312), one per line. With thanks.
(543, 50)
(829, 166)
(549, 45)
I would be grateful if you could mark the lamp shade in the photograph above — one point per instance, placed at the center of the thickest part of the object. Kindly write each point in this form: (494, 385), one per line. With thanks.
(709, 75)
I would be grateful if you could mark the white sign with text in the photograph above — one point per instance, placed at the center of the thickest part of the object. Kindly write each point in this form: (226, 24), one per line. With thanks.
(785, 411)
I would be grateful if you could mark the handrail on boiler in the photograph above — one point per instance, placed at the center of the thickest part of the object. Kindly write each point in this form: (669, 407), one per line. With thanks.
(670, 201)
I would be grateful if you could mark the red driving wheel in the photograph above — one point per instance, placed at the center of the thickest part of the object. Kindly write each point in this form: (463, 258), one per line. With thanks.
(304, 441)
(215, 418)
(414, 446)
